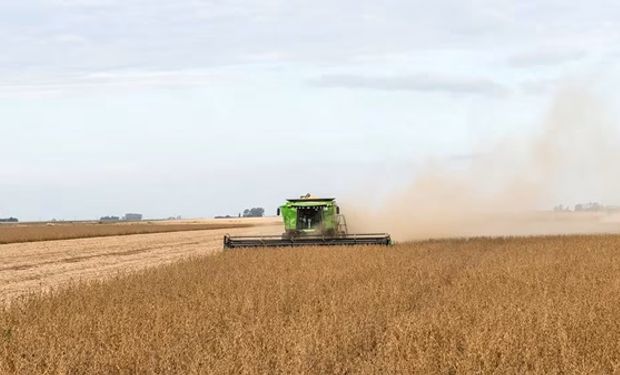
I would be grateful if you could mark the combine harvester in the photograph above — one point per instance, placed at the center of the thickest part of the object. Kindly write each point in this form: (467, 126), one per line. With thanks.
(309, 221)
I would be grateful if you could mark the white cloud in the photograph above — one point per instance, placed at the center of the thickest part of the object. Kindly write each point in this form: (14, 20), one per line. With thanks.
(56, 38)
(81, 3)
(120, 80)
(69, 38)
(421, 83)
(545, 57)
(541, 86)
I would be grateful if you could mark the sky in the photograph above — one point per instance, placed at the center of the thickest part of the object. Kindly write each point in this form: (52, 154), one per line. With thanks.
(202, 108)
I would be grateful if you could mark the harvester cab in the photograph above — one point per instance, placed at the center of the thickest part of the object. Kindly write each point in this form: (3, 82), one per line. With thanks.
(310, 221)
(310, 216)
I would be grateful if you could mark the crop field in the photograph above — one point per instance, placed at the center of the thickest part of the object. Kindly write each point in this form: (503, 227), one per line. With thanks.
(16, 233)
(512, 305)
(36, 266)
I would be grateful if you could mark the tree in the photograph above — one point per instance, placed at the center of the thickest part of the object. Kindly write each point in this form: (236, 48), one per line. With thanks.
(254, 212)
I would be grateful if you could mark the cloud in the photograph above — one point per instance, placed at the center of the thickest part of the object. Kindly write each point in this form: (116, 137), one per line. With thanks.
(545, 57)
(57, 38)
(82, 3)
(541, 86)
(69, 38)
(420, 83)
(122, 80)
(465, 157)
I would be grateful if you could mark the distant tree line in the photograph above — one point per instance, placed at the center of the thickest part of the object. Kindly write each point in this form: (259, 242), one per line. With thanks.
(254, 212)
(109, 218)
(587, 207)
(127, 217)
(9, 220)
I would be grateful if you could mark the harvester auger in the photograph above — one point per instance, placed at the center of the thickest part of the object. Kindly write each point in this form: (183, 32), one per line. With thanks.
(309, 221)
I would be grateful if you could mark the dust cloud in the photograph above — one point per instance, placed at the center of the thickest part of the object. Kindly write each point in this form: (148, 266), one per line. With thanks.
(509, 189)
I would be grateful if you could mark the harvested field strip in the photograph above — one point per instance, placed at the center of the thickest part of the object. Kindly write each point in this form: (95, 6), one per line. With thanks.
(36, 266)
(88, 257)
(34, 233)
(541, 305)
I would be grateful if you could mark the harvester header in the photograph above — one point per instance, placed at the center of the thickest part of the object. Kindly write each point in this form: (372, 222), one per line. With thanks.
(310, 221)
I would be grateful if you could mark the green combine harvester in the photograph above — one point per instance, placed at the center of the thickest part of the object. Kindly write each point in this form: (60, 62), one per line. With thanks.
(309, 221)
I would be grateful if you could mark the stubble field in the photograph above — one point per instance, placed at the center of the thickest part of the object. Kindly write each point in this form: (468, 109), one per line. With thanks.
(32, 232)
(39, 266)
(515, 305)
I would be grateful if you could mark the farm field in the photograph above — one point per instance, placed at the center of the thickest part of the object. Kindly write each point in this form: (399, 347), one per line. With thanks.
(31, 232)
(512, 305)
(38, 266)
